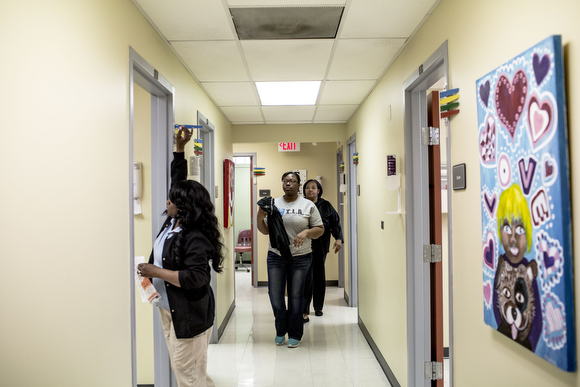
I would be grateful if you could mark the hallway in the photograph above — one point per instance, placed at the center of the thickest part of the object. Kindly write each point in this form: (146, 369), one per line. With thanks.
(333, 350)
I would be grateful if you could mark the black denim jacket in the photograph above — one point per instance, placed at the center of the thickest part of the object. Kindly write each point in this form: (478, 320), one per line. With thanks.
(192, 305)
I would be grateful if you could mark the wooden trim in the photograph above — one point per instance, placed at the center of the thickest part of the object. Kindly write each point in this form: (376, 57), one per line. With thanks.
(436, 238)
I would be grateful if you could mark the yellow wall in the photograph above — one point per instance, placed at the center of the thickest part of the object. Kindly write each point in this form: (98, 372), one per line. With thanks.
(64, 152)
(143, 224)
(318, 160)
(481, 36)
(288, 133)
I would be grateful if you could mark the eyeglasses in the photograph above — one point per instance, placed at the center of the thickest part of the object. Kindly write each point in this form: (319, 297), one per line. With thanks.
(289, 181)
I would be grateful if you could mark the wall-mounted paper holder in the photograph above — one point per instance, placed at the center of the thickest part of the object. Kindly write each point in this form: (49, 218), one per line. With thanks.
(394, 183)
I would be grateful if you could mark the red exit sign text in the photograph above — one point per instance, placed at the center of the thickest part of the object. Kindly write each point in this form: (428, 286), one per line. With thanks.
(288, 147)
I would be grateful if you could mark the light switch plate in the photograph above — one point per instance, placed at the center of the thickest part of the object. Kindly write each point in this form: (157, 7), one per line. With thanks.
(459, 177)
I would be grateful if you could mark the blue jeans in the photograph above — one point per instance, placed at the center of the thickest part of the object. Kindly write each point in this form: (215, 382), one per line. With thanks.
(293, 273)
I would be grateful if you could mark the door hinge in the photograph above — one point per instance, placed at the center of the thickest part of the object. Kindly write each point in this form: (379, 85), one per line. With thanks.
(430, 135)
(431, 253)
(433, 370)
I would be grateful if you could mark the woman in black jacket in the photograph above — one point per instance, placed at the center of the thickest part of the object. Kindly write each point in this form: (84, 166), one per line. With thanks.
(180, 267)
(315, 287)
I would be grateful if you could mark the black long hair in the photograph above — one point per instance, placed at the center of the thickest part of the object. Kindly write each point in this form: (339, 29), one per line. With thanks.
(196, 211)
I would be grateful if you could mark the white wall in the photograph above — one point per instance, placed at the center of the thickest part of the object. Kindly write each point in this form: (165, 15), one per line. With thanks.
(143, 225)
(318, 160)
(481, 36)
(64, 245)
(64, 157)
(242, 195)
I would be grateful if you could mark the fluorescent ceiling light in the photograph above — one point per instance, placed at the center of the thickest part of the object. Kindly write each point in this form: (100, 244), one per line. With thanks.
(288, 93)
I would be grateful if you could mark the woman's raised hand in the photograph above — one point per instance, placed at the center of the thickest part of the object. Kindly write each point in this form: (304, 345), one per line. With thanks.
(183, 136)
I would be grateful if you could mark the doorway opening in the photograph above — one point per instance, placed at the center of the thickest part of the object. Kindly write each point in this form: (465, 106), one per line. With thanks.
(143, 78)
(206, 134)
(353, 192)
(340, 192)
(419, 311)
(245, 205)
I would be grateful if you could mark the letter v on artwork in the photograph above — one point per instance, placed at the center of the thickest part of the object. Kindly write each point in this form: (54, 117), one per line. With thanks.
(527, 174)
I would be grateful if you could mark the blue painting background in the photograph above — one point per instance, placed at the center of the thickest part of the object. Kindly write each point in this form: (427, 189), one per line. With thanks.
(543, 149)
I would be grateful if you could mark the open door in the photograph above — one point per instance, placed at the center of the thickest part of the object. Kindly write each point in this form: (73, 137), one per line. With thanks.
(425, 340)
(435, 234)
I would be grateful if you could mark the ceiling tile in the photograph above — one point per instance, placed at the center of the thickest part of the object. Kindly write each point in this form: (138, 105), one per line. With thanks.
(190, 20)
(288, 113)
(334, 113)
(267, 23)
(287, 60)
(243, 114)
(371, 34)
(213, 61)
(232, 94)
(345, 92)
(276, 3)
(363, 58)
(384, 18)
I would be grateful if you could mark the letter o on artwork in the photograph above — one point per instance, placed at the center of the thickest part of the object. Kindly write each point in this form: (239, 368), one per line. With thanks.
(504, 171)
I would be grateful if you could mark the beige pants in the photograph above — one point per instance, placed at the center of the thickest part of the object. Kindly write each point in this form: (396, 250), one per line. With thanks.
(188, 356)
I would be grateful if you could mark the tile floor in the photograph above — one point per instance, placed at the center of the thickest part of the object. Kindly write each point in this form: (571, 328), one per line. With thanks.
(333, 351)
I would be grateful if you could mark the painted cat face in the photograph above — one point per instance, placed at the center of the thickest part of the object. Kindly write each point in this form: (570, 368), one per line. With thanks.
(516, 300)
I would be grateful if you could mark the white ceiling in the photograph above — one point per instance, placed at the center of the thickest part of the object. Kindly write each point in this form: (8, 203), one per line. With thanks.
(370, 36)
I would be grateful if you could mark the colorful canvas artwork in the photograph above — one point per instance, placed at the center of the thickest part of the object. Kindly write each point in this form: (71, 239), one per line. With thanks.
(526, 212)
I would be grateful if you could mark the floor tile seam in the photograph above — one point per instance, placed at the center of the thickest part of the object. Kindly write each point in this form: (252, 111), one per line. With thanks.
(239, 363)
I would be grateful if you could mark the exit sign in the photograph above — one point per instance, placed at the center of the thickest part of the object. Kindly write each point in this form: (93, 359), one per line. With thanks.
(288, 147)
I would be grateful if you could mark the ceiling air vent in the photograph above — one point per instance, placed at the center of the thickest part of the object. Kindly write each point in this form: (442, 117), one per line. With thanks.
(286, 22)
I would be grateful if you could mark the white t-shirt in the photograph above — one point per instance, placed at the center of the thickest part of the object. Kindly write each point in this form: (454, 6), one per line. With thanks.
(297, 216)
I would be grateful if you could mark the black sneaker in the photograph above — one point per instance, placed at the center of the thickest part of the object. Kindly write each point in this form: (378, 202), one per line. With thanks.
(318, 313)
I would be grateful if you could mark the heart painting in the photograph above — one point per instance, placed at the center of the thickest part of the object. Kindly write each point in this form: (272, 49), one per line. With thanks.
(487, 140)
(484, 93)
(510, 99)
(541, 67)
(525, 231)
(489, 248)
(540, 118)
(549, 169)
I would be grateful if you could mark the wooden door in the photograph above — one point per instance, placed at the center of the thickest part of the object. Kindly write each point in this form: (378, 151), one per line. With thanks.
(435, 236)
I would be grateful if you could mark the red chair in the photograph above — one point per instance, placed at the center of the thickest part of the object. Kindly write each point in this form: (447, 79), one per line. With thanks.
(244, 246)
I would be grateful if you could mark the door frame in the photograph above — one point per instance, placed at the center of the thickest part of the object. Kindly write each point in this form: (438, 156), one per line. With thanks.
(254, 195)
(417, 218)
(144, 75)
(352, 297)
(340, 210)
(207, 178)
